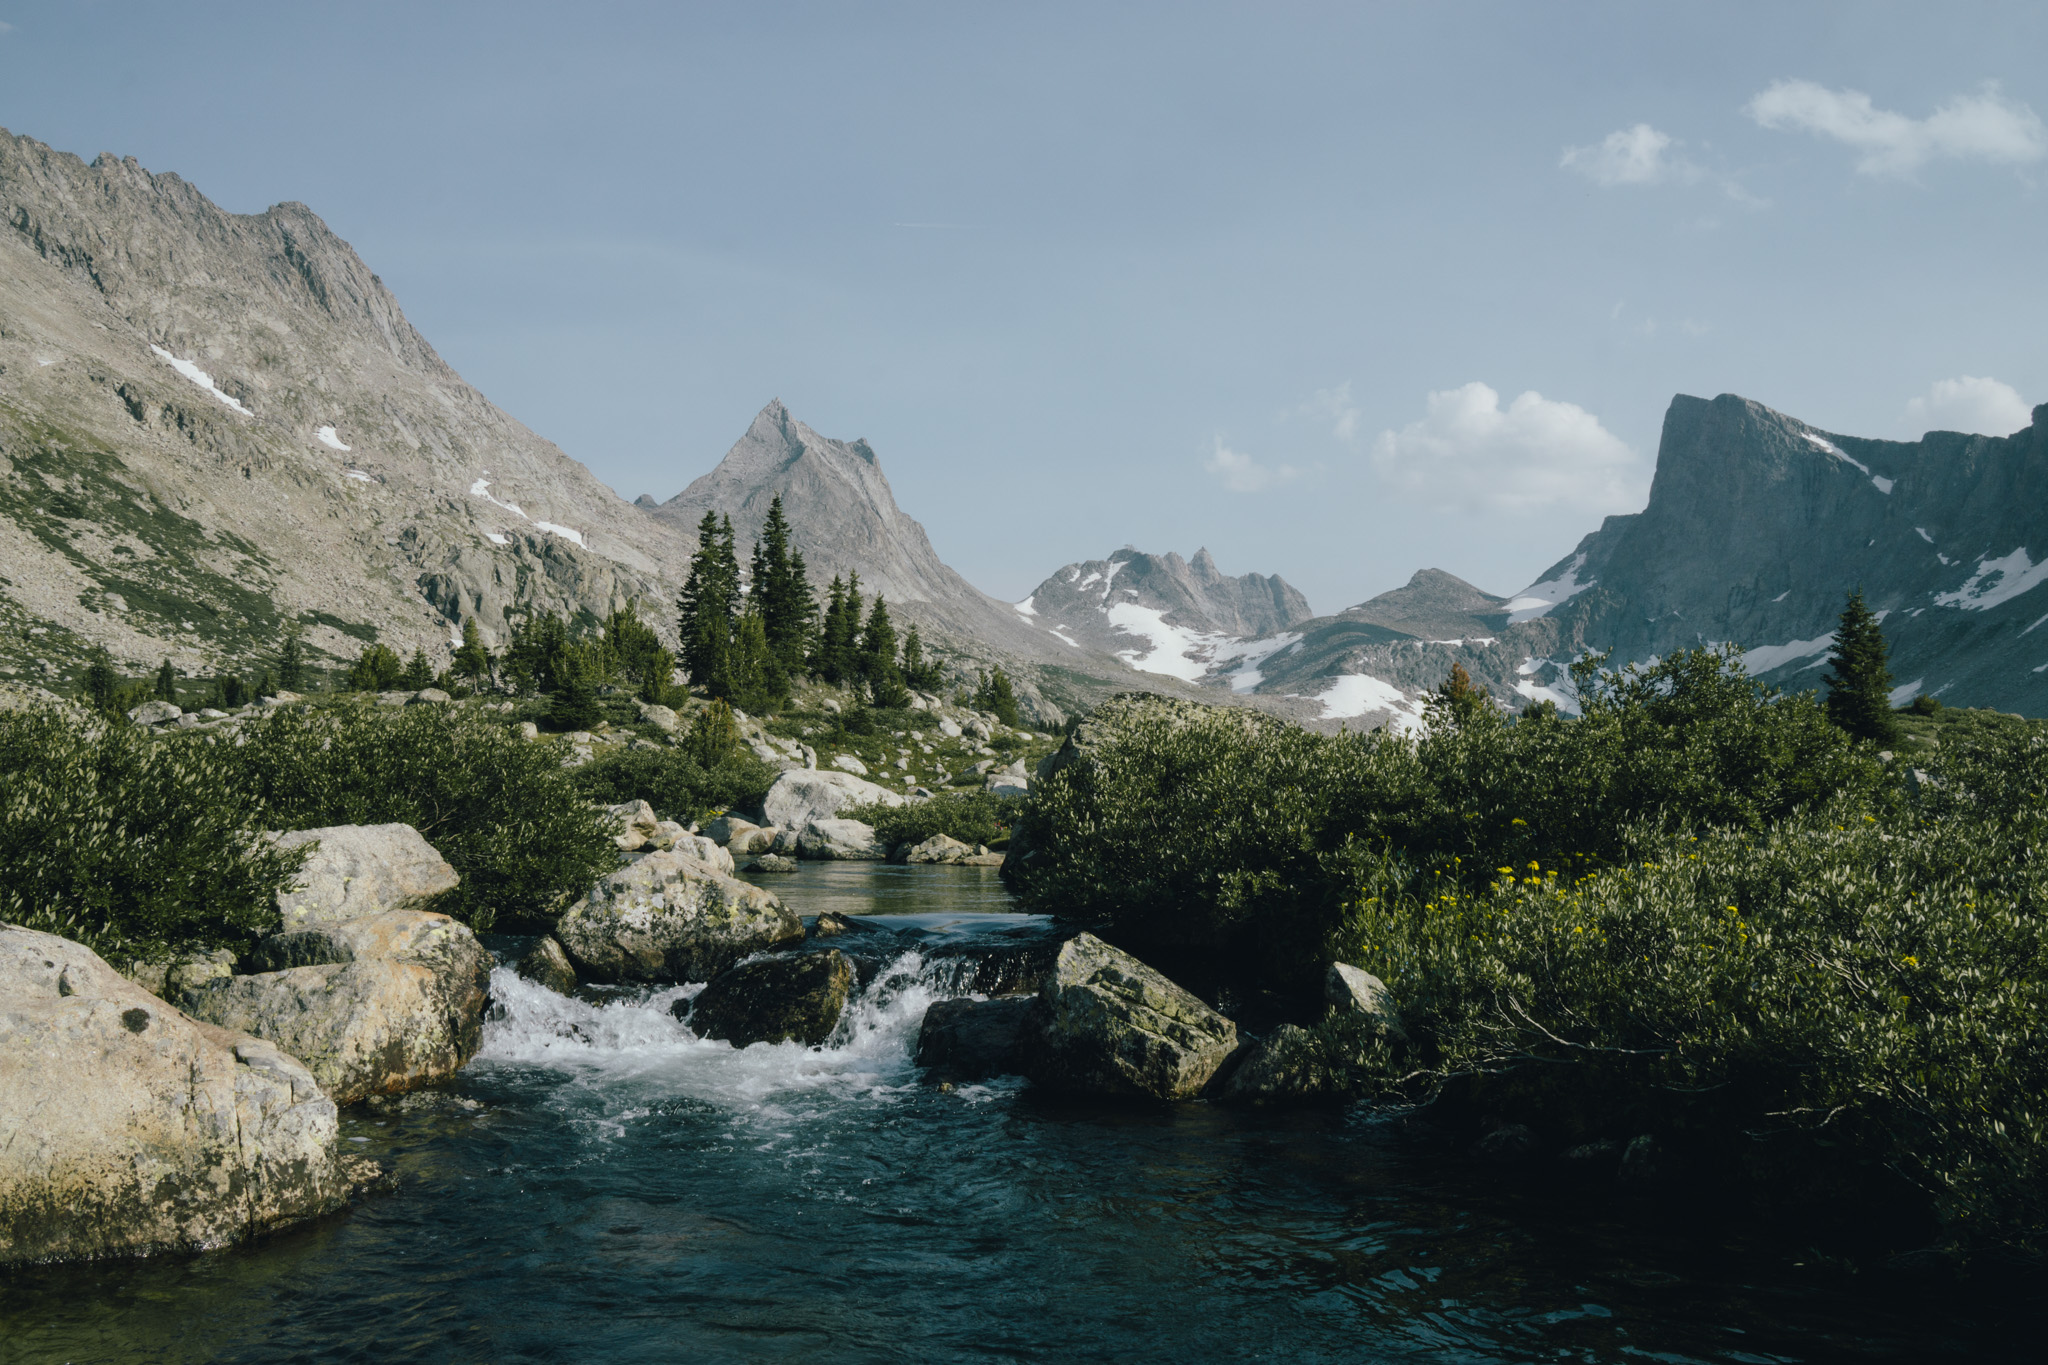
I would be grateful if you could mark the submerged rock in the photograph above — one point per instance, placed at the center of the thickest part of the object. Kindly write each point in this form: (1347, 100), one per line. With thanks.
(362, 870)
(774, 1000)
(772, 862)
(972, 1040)
(131, 1128)
(1105, 1023)
(671, 917)
(545, 964)
(405, 1008)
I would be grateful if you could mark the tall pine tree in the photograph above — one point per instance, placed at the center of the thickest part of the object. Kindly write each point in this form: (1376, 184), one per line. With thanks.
(708, 605)
(877, 658)
(1859, 681)
(166, 683)
(782, 591)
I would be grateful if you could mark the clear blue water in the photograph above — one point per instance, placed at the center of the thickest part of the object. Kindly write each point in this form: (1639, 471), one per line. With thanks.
(601, 1186)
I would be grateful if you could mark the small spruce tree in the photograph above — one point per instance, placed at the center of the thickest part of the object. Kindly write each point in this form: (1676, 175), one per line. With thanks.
(472, 661)
(1458, 702)
(1859, 681)
(713, 736)
(166, 683)
(418, 672)
(291, 660)
(376, 669)
(995, 695)
(101, 683)
(919, 673)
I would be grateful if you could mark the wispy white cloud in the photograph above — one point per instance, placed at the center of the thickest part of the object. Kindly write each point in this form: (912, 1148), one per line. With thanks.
(1985, 126)
(1335, 406)
(5, 28)
(1470, 453)
(1631, 156)
(1969, 403)
(1241, 473)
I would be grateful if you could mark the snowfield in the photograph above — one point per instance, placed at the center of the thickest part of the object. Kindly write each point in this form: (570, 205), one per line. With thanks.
(1540, 599)
(330, 438)
(1996, 581)
(1357, 694)
(201, 378)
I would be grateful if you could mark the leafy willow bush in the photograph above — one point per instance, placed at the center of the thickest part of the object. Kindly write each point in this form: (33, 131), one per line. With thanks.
(676, 782)
(136, 847)
(500, 809)
(971, 817)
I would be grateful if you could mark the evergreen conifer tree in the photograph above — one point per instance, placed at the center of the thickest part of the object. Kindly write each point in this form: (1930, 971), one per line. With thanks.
(1459, 701)
(995, 695)
(752, 678)
(876, 658)
(101, 683)
(376, 669)
(821, 661)
(782, 590)
(291, 660)
(166, 683)
(919, 673)
(707, 608)
(472, 661)
(1859, 681)
(418, 672)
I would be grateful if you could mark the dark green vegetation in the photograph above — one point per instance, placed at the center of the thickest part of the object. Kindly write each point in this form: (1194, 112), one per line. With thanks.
(1859, 682)
(710, 772)
(977, 817)
(146, 846)
(134, 847)
(1701, 912)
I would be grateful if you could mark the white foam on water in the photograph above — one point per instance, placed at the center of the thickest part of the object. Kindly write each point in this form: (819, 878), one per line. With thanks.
(635, 1050)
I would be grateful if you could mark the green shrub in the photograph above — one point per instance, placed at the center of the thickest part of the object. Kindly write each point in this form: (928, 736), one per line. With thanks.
(675, 783)
(500, 809)
(138, 847)
(971, 817)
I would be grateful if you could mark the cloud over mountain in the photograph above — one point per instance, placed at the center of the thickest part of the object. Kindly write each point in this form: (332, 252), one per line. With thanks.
(1985, 407)
(1470, 452)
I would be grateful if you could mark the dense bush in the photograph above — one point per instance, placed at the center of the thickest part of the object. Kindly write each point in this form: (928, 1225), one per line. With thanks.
(971, 817)
(136, 847)
(500, 809)
(1197, 825)
(676, 783)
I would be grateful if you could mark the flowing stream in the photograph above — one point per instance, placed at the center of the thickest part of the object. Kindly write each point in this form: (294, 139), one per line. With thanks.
(600, 1185)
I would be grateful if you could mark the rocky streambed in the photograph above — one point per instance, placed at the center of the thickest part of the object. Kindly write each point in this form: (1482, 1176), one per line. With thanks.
(604, 1181)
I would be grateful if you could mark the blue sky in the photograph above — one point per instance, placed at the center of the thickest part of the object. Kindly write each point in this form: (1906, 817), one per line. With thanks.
(1339, 291)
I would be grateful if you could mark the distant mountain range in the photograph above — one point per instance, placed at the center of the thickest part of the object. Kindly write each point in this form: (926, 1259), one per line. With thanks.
(213, 424)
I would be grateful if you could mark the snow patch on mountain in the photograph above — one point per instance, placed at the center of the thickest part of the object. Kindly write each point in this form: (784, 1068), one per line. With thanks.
(1025, 608)
(1351, 695)
(1764, 658)
(1995, 581)
(1540, 599)
(1882, 484)
(201, 378)
(330, 438)
(1174, 651)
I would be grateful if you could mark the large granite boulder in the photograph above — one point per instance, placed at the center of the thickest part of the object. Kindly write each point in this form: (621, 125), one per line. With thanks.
(1106, 1024)
(841, 840)
(545, 964)
(634, 824)
(362, 870)
(126, 1127)
(773, 1000)
(671, 917)
(399, 1005)
(972, 1040)
(940, 848)
(802, 795)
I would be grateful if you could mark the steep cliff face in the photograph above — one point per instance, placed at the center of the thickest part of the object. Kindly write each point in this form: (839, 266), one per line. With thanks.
(212, 423)
(1758, 526)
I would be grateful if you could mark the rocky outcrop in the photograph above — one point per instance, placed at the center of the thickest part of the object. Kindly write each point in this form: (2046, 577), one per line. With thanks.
(545, 964)
(130, 1128)
(1105, 1023)
(739, 837)
(774, 1000)
(940, 848)
(972, 1040)
(671, 917)
(800, 796)
(840, 840)
(360, 870)
(404, 1009)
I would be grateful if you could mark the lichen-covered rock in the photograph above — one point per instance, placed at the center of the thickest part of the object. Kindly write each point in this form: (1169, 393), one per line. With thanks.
(634, 824)
(1279, 1069)
(545, 964)
(671, 917)
(154, 713)
(772, 862)
(1105, 1023)
(405, 1010)
(773, 1000)
(281, 952)
(362, 870)
(842, 841)
(802, 795)
(126, 1127)
(940, 848)
(1360, 992)
(972, 1040)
